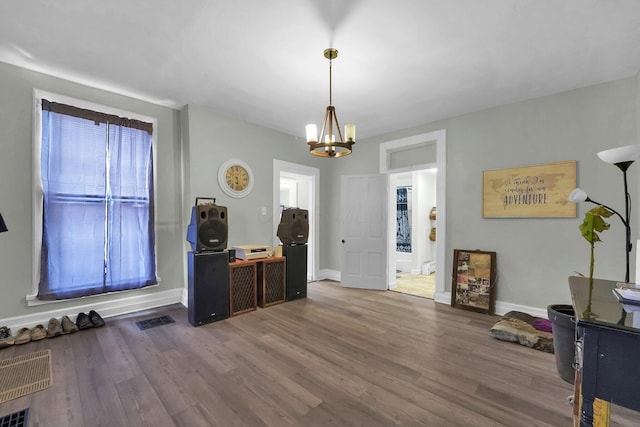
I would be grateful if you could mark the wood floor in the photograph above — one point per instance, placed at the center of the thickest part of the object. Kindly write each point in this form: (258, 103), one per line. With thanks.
(419, 285)
(341, 357)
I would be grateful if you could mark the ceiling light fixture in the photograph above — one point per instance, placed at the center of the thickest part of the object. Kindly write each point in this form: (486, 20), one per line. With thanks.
(327, 145)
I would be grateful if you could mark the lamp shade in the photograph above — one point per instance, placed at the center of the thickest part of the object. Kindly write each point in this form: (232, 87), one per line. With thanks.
(350, 132)
(578, 195)
(628, 153)
(3, 226)
(312, 132)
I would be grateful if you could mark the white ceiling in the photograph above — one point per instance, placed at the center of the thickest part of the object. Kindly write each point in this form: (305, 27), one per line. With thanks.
(402, 63)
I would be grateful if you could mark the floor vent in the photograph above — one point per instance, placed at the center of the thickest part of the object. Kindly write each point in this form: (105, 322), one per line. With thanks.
(17, 419)
(152, 323)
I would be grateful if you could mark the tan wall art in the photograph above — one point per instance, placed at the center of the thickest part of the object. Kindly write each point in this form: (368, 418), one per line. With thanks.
(530, 191)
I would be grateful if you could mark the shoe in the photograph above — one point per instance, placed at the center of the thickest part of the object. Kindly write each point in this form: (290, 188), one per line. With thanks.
(6, 339)
(68, 326)
(24, 336)
(83, 322)
(55, 328)
(95, 318)
(38, 333)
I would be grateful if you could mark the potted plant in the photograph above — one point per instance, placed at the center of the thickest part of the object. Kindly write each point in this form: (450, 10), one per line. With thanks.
(562, 316)
(593, 224)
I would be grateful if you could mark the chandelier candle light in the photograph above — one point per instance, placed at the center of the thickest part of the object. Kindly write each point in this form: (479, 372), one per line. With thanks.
(622, 157)
(327, 145)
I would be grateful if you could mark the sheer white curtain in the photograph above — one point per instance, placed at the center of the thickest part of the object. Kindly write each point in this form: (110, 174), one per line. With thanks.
(97, 180)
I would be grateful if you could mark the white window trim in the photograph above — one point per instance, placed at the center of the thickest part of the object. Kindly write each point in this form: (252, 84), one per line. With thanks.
(37, 191)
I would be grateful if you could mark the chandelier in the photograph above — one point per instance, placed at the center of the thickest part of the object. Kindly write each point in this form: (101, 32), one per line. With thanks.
(328, 145)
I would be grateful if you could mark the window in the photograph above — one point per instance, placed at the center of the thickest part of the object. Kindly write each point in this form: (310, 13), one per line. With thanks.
(96, 173)
(403, 215)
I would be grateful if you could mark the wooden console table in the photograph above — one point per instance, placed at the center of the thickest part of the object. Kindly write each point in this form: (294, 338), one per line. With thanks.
(610, 347)
(256, 282)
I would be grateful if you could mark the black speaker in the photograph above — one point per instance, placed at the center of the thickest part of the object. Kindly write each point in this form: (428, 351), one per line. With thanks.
(296, 274)
(208, 230)
(294, 226)
(208, 287)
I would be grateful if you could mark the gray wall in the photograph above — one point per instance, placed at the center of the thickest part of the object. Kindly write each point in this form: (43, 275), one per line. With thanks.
(210, 140)
(16, 100)
(534, 256)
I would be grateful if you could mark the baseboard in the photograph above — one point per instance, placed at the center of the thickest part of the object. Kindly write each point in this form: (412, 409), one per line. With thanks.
(442, 298)
(106, 309)
(505, 307)
(185, 297)
(501, 307)
(327, 274)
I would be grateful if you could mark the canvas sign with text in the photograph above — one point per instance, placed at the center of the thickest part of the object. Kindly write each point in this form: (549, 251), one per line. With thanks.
(530, 191)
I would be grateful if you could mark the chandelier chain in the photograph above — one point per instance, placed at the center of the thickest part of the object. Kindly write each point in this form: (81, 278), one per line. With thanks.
(330, 85)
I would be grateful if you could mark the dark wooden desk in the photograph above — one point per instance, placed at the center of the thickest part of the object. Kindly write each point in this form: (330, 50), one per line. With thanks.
(610, 348)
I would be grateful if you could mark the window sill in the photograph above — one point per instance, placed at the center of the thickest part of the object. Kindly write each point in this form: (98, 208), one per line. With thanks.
(33, 301)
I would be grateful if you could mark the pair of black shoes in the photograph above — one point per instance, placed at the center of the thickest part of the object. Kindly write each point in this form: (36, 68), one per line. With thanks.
(92, 320)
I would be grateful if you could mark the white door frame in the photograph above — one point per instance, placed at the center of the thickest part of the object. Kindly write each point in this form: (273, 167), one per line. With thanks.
(279, 167)
(386, 149)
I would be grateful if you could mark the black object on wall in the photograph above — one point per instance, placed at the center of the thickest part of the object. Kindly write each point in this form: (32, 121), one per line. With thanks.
(3, 226)
(208, 287)
(294, 226)
(208, 229)
(296, 276)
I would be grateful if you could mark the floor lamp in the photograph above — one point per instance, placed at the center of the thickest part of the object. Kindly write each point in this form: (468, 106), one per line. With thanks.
(622, 157)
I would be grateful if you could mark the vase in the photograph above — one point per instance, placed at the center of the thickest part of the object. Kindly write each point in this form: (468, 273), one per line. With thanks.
(432, 214)
(563, 324)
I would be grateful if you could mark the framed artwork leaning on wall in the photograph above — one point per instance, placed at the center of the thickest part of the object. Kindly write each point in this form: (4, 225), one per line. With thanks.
(473, 280)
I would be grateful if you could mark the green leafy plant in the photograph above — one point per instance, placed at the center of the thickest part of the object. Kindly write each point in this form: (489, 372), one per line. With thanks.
(593, 224)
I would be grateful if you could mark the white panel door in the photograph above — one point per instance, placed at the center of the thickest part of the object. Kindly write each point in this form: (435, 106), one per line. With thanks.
(364, 232)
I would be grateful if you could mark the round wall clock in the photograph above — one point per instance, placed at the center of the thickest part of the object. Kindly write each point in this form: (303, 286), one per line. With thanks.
(235, 178)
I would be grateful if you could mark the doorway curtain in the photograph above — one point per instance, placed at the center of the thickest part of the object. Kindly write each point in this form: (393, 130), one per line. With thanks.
(403, 231)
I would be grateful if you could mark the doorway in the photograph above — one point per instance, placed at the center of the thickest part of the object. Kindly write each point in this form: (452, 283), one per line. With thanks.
(415, 231)
(296, 186)
(408, 155)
